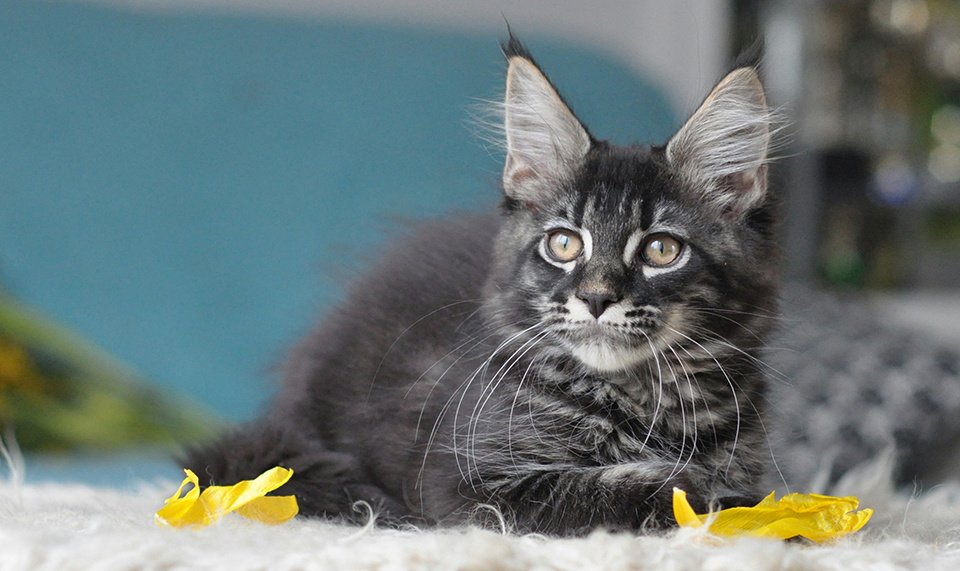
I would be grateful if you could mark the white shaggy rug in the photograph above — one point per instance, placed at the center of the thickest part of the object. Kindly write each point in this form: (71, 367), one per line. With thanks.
(62, 527)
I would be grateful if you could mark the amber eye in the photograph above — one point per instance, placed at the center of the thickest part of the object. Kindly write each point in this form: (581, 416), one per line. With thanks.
(660, 250)
(564, 245)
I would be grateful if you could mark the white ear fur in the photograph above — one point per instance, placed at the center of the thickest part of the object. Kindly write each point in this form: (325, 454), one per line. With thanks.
(722, 150)
(545, 141)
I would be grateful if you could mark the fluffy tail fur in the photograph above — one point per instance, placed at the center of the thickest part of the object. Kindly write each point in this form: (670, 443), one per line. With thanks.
(326, 483)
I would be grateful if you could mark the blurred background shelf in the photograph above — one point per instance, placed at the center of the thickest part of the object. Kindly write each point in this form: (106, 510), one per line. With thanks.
(871, 175)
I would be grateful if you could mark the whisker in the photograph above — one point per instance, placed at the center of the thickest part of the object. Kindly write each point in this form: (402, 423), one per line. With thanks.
(501, 373)
(706, 405)
(683, 420)
(656, 408)
(513, 407)
(762, 365)
(481, 370)
(733, 392)
(373, 381)
(461, 389)
(693, 406)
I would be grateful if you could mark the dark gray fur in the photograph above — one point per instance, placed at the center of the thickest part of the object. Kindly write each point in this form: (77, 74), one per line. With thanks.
(446, 379)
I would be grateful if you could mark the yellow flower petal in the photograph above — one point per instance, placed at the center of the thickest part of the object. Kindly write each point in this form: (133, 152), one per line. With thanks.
(816, 517)
(196, 509)
(270, 510)
(682, 510)
(185, 509)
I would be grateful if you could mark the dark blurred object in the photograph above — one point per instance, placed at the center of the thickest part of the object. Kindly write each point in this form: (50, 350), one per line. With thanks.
(872, 173)
(861, 382)
(59, 393)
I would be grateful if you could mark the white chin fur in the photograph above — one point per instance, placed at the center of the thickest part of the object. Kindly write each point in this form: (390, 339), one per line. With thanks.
(601, 356)
(607, 359)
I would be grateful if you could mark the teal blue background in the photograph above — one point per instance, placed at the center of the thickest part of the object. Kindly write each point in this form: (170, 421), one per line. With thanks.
(188, 190)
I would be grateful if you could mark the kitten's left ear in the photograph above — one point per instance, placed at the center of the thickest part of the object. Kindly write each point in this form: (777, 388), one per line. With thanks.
(545, 141)
(722, 149)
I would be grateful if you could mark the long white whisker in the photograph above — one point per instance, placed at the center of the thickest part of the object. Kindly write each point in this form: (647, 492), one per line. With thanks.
(693, 406)
(494, 383)
(481, 370)
(656, 408)
(683, 418)
(373, 381)
(706, 405)
(513, 407)
(762, 365)
(733, 392)
(475, 343)
(462, 389)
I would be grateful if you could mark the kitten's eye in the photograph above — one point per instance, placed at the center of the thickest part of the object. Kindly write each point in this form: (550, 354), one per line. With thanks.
(564, 245)
(661, 249)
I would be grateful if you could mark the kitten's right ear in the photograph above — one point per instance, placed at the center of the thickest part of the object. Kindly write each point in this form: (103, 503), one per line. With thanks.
(545, 141)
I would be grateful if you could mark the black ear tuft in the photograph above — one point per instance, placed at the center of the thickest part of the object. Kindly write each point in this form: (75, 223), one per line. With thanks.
(513, 47)
(750, 57)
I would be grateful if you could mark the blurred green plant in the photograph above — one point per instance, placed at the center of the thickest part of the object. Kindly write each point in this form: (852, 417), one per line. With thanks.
(61, 393)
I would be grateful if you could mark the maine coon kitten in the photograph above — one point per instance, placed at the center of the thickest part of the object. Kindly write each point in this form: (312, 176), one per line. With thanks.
(569, 359)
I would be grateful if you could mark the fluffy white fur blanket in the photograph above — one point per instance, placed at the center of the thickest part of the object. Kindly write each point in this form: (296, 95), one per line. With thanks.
(62, 527)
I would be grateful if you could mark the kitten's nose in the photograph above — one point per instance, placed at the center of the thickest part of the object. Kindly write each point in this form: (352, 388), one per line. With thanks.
(598, 302)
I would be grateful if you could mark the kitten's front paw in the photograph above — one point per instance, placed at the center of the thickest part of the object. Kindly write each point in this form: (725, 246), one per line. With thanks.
(704, 499)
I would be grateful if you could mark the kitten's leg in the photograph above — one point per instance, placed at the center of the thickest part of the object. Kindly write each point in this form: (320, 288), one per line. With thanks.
(575, 500)
(325, 483)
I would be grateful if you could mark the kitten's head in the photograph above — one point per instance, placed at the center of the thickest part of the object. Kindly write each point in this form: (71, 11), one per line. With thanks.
(615, 254)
